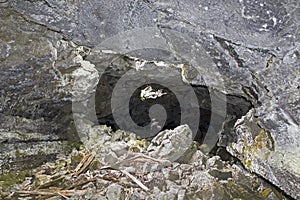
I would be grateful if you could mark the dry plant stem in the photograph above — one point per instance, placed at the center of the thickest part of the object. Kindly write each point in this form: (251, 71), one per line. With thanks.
(51, 183)
(79, 183)
(140, 157)
(84, 164)
(81, 167)
(54, 192)
(138, 182)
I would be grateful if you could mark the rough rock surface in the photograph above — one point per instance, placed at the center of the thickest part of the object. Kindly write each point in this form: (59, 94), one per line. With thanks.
(35, 113)
(171, 145)
(247, 49)
(135, 175)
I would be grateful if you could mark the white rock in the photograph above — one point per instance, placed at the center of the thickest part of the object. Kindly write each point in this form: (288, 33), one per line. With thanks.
(120, 148)
(171, 144)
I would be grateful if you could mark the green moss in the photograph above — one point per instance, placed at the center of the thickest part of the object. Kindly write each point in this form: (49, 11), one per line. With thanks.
(95, 164)
(265, 193)
(230, 183)
(143, 143)
(72, 145)
(238, 190)
(204, 148)
(247, 162)
(40, 153)
(134, 149)
(267, 155)
(12, 178)
(20, 154)
(23, 136)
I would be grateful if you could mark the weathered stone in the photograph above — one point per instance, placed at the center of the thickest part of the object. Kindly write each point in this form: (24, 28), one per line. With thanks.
(115, 191)
(110, 158)
(221, 175)
(214, 161)
(34, 104)
(270, 154)
(120, 148)
(172, 175)
(171, 144)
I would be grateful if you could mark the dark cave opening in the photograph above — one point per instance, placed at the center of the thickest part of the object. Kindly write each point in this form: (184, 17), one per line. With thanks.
(139, 109)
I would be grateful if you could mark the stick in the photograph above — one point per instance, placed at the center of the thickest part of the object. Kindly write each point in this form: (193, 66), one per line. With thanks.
(51, 183)
(79, 183)
(135, 180)
(141, 156)
(53, 192)
(84, 164)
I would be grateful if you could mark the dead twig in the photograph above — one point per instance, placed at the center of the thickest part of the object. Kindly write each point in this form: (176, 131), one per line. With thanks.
(84, 164)
(51, 183)
(140, 157)
(138, 182)
(64, 193)
(79, 183)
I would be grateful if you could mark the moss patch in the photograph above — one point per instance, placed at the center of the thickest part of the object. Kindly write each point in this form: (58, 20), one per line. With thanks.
(12, 178)
(265, 193)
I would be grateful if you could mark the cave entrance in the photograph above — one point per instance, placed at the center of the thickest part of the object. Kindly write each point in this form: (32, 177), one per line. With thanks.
(139, 109)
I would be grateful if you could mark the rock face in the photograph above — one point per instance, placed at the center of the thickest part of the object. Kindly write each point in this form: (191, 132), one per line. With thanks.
(242, 50)
(35, 113)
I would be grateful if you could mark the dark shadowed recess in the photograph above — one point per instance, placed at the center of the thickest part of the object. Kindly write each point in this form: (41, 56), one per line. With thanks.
(26, 162)
(139, 110)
